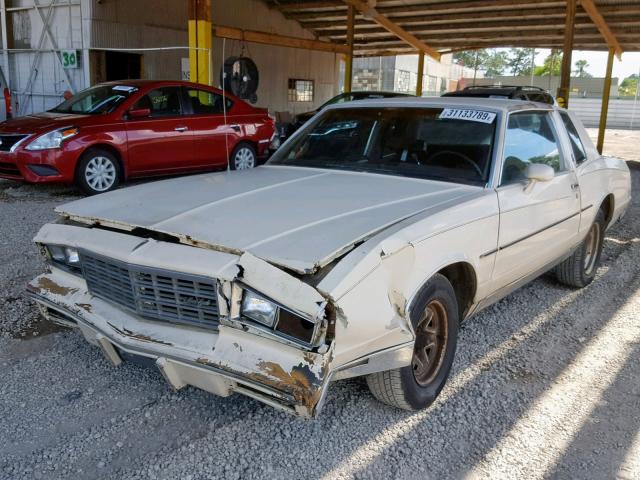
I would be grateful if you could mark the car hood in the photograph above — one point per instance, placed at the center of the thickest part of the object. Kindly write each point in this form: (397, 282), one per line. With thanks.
(297, 218)
(40, 122)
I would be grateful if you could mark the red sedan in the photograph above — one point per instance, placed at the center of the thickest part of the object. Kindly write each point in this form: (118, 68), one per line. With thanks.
(119, 130)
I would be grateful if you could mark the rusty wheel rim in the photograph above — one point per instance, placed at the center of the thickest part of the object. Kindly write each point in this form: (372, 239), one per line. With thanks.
(431, 343)
(592, 243)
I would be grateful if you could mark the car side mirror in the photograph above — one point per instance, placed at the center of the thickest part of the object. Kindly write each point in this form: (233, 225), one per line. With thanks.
(539, 172)
(139, 113)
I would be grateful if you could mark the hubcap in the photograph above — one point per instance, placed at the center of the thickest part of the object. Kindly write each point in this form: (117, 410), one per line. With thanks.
(244, 159)
(431, 343)
(100, 173)
(592, 242)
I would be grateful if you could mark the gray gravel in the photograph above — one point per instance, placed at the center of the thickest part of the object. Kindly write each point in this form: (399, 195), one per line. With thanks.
(66, 413)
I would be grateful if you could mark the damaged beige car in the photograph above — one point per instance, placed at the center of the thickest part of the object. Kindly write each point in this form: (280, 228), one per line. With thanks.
(356, 251)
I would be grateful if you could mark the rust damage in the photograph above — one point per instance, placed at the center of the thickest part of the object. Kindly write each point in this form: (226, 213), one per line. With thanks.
(45, 283)
(138, 336)
(85, 306)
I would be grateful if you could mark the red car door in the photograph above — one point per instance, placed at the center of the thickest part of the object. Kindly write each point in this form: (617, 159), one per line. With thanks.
(205, 118)
(162, 140)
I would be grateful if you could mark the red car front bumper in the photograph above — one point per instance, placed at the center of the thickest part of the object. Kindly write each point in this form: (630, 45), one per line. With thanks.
(44, 166)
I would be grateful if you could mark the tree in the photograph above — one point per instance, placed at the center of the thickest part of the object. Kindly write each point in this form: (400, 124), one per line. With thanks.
(580, 71)
(629, 86)
(519, 61)
(552, 64)
(495, 63)
(490, 61)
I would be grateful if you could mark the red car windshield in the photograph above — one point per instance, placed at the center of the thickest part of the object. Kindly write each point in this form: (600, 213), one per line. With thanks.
(96, 100)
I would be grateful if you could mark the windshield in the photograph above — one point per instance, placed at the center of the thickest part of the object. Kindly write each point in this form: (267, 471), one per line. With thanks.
(448, 144)
(96, 100)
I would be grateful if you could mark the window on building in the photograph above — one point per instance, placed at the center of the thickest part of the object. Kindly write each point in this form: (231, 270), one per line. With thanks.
(300, 90)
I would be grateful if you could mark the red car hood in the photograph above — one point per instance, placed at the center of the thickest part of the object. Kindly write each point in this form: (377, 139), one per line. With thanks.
(40, 122)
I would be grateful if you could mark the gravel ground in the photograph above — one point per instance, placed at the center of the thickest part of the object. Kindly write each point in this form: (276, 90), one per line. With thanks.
(546, 384)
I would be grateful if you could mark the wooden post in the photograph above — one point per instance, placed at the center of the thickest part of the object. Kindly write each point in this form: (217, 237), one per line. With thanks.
(200, 41)
(348, 65)
(420, 74)
(565, 73)
(604, 109)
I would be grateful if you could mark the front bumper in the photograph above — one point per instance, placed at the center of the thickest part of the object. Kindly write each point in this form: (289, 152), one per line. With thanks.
(221, 362)
(45, 166)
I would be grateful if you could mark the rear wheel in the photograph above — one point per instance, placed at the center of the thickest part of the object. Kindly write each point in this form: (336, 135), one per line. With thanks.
(579, 269)
(435, 323)
(98, 172)
(244, 157)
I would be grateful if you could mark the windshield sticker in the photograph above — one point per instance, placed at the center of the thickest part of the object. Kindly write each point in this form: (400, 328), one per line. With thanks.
(124, 88)
(466, 114)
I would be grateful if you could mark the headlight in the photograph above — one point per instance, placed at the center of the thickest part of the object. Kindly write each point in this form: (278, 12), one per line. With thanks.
(52, 139)
(283, 322)
(65, 256)
(259, 309)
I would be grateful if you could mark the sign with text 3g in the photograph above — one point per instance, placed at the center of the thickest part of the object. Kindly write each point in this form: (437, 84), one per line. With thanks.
(69, 58)
(468, 114)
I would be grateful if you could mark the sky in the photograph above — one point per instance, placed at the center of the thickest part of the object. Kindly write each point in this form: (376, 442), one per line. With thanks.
(629, 65)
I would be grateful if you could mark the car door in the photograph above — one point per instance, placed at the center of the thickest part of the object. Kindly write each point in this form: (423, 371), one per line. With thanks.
(539, 221)
(162, 140)
(205, 119)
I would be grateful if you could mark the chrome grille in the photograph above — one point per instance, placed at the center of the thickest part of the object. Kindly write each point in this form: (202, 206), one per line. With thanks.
(153, 293)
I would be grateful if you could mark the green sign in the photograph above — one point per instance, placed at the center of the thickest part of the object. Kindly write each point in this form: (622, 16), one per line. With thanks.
(69, 58)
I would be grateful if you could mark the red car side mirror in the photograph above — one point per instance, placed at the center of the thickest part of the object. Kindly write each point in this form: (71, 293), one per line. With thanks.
(139, 113)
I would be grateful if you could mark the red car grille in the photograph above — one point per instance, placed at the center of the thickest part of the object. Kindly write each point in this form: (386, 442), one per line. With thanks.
(9, 169)
(8, 141)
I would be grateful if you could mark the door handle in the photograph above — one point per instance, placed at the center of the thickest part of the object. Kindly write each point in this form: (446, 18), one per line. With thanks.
(181, 129)
(575, 186)
(235, 127)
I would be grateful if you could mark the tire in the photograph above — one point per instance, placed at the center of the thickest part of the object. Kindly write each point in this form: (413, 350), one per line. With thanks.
(243, 157)
(414, 387)
(98, 172)
(579, 269)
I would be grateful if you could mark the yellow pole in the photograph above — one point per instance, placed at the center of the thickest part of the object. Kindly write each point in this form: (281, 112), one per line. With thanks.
(565, 73)
(348, 66)
(604, 109)
(200, 41)
(420, 74)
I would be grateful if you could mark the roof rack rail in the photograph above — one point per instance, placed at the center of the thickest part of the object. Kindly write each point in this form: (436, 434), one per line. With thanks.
(515, 87)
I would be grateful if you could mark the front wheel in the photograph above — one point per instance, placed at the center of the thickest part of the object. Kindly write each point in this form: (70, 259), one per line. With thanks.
(244, 157)
(435, 323)
(579, 269)
(98, 172)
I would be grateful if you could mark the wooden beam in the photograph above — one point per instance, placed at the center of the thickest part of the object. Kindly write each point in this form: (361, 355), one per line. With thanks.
(420, 74)
(348, 66)
(599, 21)
(565, 71)
(370, 12)
(604, 109)
(232, 33)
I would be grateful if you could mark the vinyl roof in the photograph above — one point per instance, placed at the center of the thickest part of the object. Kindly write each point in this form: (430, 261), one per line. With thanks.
(447, 26)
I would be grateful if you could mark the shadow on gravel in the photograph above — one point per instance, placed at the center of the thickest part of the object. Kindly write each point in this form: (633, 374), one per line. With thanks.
(602, 445)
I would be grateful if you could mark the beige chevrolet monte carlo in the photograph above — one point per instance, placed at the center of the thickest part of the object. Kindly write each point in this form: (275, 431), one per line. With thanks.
(356, 250)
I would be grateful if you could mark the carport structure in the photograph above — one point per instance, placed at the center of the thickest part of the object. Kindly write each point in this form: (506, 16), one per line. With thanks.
(436, 27)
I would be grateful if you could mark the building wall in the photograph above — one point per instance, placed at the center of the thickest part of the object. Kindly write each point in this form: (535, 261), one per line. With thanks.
(95, 25)
(34, 72)
(580, 87)
(400, 74)
(275, 64)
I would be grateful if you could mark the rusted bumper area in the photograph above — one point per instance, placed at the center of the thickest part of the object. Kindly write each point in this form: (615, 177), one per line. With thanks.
(221, 362)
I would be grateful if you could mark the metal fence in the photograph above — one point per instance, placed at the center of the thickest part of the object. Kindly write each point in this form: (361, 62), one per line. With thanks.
(623, 113)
